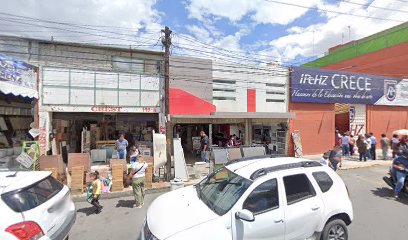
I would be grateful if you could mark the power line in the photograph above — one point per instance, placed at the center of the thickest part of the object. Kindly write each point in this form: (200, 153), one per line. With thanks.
(371, 6)
(332, 11)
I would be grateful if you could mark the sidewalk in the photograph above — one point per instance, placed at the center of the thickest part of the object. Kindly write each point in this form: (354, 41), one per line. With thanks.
(348, 163)
(353, 162)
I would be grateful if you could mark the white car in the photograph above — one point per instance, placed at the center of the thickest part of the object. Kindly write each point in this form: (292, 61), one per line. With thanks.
(35, 206)
(255, 198)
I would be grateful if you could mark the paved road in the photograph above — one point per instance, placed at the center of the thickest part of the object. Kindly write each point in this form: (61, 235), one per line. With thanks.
(377, 215)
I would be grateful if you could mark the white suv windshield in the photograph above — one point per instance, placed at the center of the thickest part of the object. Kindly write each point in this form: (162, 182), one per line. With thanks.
(222, 189)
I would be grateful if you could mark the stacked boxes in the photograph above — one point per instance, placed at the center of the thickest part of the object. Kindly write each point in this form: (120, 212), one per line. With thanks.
(77, 179)
(117, 177)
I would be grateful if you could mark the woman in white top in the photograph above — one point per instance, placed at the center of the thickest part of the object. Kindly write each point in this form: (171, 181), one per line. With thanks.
(138, 181)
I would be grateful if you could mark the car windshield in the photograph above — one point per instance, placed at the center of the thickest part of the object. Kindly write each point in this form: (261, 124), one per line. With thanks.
(222, 189)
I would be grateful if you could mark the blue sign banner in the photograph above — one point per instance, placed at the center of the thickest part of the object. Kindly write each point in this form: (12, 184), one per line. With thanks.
(17, 73)
(324, 86)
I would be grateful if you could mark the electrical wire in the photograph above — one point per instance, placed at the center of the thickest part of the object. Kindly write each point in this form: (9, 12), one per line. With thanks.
(371, 6)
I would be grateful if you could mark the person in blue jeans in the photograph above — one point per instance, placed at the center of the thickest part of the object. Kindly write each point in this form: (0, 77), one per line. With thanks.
(400, 165)
(345, 143)
(121, 145)
(205, 154)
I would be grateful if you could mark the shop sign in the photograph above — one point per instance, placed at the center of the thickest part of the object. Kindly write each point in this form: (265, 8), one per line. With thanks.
(17, 73)
(105, 109)
(324, 86)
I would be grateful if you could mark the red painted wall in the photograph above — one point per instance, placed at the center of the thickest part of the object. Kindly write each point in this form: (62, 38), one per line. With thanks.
(316, 125)
(385, 119)
(251, 97)
(184, 103)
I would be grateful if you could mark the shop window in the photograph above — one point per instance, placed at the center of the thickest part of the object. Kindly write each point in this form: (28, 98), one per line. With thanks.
(222, 81)
(125, 64)
(275, 100)
(224, 98)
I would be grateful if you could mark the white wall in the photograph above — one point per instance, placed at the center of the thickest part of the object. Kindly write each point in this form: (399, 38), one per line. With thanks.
(267, 81)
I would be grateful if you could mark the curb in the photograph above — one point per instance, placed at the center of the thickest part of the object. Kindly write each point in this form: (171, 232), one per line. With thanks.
(365, 166)
(126, 193)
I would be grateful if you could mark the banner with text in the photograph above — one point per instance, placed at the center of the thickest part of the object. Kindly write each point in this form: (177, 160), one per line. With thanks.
(324, 86)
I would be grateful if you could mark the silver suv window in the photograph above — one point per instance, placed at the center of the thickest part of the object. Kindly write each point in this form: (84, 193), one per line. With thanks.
(32, 196)
(298, 188)
(222, 189)
(263, 198)
(324, 180)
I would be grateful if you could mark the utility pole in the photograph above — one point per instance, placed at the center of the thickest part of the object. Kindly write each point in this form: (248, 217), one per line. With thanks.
(166, 41)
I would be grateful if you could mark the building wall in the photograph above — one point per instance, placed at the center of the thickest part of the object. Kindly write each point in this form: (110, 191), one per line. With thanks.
(232, 81)
(316, 125)
(192, 75)
(385, 119)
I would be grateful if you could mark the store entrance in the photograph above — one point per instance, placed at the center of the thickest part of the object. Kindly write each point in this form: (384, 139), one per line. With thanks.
(342, 118)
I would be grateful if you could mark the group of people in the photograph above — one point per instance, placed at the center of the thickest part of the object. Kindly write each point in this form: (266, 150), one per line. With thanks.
(366, 145)
(136, 172)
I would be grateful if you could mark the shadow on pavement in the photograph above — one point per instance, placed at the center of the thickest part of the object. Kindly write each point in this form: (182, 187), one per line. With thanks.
(125, 203)
(387, 193)
(88, 210)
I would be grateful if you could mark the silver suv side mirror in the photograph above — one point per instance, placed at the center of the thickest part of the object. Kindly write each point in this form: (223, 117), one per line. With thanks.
(245, 215)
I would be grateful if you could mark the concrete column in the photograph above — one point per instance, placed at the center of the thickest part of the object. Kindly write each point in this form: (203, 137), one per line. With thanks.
(210, 134)
(189, 138)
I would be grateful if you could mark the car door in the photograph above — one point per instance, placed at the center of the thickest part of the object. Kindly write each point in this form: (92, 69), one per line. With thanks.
(303, 205)
(264, 201)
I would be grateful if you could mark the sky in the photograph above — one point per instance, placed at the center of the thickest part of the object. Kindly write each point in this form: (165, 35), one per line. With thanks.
(287, 32)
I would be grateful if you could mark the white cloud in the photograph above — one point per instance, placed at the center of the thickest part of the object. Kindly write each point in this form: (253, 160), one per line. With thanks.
(126, 17)
(299, 41)
(261, 11)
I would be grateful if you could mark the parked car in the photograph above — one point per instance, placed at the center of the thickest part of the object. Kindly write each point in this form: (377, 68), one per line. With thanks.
(255, 198)
(34, 206)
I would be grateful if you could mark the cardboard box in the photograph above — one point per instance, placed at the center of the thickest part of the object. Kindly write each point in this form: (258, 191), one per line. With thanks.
(79, 159)
(120, 162)
(52, 161)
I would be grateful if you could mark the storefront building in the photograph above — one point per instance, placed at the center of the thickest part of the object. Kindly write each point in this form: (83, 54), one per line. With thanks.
(18, 97)
(89, 94)
(382, 54)
(325, 101)
(225, 99)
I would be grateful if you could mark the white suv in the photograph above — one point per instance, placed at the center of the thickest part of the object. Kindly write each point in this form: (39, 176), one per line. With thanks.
(35, 206)
(255, 198)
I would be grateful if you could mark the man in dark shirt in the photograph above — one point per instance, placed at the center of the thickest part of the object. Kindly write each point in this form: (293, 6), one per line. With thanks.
(335, 157)
(400, 166)
(204, 147)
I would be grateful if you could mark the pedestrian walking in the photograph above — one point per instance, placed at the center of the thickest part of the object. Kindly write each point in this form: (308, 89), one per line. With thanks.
(335, 157)
(338, 137)
(121, 145)
(325, 159)
(394, 145)
(138, 181)
(96, 190)
(385, 145)
(362, 148)
(352, 143)
(368, 143)
(373, 146)
(400, 166)
(205, 155)
(345, 143)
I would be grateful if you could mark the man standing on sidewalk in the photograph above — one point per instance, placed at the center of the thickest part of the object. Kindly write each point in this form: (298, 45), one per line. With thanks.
(385, 145)
(345, 143)
(204, 147)
(373, 146)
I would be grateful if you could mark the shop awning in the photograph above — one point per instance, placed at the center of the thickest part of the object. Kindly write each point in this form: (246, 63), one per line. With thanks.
(17, 78)
(242, 115)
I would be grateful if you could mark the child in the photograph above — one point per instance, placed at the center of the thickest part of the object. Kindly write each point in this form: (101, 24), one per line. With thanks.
(325, 159)
(96, 186)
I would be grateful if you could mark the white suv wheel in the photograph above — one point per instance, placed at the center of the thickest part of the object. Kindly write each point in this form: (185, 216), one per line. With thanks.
(335, 230)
